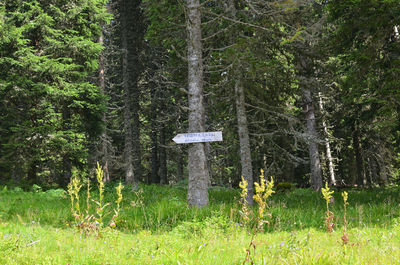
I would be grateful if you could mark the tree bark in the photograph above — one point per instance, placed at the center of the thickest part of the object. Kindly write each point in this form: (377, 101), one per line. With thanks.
(128, 145)
(327, 145)
(180, 165)
(136, 34)
(155, 178)
(163, 157)
(244, 139)
(103, 137)
(197, 164)
(358, 156)
(315, 164)
(243, 131)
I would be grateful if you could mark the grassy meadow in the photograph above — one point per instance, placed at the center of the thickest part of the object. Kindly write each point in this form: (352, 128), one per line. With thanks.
(156, 227)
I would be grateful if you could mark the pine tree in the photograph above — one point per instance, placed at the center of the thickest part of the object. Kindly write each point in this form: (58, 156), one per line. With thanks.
(50, 109)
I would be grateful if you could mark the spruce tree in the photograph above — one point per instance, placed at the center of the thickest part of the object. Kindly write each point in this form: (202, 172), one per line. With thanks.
(50, 108)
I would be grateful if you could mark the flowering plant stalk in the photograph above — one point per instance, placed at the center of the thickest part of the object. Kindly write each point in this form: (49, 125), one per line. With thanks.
(327, 194)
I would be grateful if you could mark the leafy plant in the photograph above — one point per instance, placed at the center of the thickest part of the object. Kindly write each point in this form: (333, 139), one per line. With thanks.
(263, 192)
(345, 237)
(244, 212)
(327, 194)
(87, 222)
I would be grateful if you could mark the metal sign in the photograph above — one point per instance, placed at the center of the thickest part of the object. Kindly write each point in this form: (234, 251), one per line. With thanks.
(200, 137)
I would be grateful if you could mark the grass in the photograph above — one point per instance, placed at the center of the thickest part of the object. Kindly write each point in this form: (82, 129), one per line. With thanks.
(35, 228)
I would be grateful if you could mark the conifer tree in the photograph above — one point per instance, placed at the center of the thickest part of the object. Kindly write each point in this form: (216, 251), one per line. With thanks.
(50, 108)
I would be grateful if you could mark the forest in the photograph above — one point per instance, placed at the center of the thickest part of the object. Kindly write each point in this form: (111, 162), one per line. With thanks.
(94, 94)
(305, 90)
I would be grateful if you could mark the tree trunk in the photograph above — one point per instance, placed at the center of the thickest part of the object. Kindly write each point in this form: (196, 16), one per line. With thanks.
(197, 164)
(243, 131)
(155, 178)
(315, 165)
(244, 139)
(381, 175)
(163, 158)
(180, 165)
(136, 33)
(327, 145)
(128, 145)
(358, 156)
(104, 137)
(137, 158)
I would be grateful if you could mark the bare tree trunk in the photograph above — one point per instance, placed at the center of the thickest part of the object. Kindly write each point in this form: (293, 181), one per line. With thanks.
(180, 165)
(315, 165)
(243, 131)
(244, 139)
(137, 158)
(327, 145)
(155, 178)
(136, 31)
(163, 157)
(128, 146)
(358, 156)
(104, 137)
(198, 171)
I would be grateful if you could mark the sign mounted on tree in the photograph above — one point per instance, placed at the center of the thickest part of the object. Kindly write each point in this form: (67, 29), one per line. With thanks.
(199, 137)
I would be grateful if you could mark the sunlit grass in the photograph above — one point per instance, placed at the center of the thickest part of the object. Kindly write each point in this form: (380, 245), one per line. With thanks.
(36, 228)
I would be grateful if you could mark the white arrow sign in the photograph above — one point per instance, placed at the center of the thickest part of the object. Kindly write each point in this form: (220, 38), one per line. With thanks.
(186, 138)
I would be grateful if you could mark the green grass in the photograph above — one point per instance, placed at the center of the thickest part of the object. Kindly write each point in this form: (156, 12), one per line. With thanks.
(36, 228)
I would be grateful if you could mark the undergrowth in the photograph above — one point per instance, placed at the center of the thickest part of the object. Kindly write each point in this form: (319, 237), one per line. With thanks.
(156, 227)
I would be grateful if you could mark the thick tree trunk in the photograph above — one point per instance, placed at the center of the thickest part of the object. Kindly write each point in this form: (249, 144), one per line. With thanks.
(244, 139)
(327, 145)
(127, 115)
(197, 164)
(315, 165)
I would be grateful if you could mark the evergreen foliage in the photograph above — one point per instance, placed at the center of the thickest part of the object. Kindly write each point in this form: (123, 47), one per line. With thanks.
(96, 80)
(50, 107)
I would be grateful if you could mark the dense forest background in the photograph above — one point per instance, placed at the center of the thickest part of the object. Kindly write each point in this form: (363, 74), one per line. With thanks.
(308, 91)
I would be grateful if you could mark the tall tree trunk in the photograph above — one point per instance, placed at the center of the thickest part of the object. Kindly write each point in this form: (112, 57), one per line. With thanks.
(163, 157)
(136, 33)
(137, 158)
(358, 156)
(243, 131)
(315, 164)
(67, 163)
(104, 139)
(197, 164)
(155, 178)
(207, 146)
(244, 139)
(327, 144)
(180, 165)
(370, 176)
(128, 145)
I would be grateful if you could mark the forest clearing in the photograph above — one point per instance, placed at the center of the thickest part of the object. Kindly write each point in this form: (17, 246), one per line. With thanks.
(199, 132)
(37, 228)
